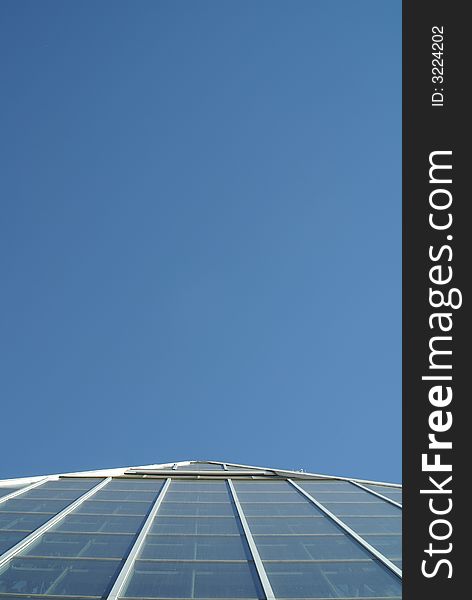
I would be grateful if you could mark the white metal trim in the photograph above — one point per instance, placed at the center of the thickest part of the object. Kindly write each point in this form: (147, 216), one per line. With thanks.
(268, 591)
(29, 539)
(126, 569)
(378, 494)
(378, 555)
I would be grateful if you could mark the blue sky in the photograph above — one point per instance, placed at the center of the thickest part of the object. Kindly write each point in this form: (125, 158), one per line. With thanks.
(201, 234)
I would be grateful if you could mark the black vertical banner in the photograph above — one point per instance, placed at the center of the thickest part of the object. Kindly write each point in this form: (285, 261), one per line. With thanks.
(437, 258)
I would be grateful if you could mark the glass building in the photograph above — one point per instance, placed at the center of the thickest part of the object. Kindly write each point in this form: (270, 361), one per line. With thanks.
(199, 530)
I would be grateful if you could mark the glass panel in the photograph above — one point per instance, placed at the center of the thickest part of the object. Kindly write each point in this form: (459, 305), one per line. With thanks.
(368, 509)
(285, 496)
(135, 484)
(309, 547)
(359, 495)
(184, 547)
(173, 496)
(78, 483)
(53, 576)
(104, 507)
(132, 496)
(375, 515)
(81, 545)
(9, 539)
(200, 467)
(262, 486)
(33, 505)
(398, 563)
(389, 545)
(326, 486)
(97, 523)
(204, 509)
(297, 525)
(333, 580)
(24, 521)
(198, 486)
(55, 494)
(364, 525)
(392, 493)
(195, 525)
(343, 496)
(193, 580)
(21, 597)
(272, 508)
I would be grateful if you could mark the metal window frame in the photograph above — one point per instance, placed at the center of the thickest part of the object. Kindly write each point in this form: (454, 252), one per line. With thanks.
(34, 535)
(264, 579)
(373, 551)
(125, 572)
(378, 494)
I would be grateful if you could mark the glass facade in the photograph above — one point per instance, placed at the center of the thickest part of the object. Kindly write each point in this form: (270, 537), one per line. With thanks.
(199, 530)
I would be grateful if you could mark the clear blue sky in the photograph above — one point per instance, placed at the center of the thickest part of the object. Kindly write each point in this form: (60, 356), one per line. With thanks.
(201, 234)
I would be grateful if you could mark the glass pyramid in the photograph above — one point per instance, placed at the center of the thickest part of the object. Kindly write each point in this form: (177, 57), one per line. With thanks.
(199, 529)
